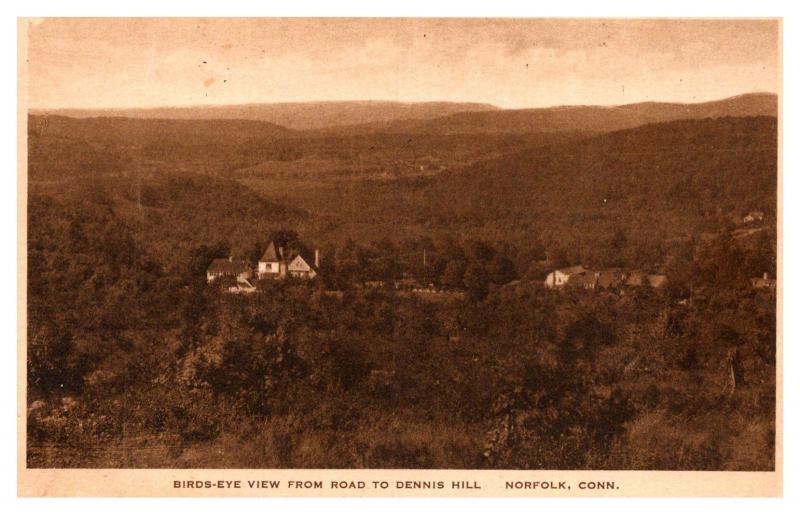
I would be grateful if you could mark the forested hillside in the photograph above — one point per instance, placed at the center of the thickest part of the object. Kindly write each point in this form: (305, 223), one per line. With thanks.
(252, 149)
(135, 361)
(653, 183)
(627, 197)
(107, 144)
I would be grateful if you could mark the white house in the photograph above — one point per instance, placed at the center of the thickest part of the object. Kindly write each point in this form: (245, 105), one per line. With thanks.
(278, 263)
(560, 277)
(269, 266)
(298, 267)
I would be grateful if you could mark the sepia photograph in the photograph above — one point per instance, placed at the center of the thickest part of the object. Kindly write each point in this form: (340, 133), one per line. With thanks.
(401, 244)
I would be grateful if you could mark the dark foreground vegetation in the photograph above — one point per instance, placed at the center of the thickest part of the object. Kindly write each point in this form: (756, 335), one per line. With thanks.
(134, 361)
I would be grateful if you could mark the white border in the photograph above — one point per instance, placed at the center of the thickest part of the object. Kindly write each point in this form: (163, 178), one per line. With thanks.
(496, 8)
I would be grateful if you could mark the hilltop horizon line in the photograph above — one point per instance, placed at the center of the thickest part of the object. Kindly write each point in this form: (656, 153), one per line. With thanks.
(483, 105)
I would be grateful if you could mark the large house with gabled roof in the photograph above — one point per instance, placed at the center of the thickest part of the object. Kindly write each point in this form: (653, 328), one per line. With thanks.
(279, 262)
(269, 265)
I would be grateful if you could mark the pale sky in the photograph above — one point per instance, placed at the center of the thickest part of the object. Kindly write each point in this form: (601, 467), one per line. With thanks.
(140, 62)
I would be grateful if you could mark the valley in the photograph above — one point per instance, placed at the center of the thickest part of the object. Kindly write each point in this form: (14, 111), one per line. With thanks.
(136, 359)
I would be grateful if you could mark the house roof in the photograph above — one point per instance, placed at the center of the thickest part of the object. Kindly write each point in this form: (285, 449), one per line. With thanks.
(583, 280)
(572, 270)
(610, 278)
(763, 282)
(276, 253)
(270, 255)
(227, 266)
(303, 255)
(636, 278)
(656, 280)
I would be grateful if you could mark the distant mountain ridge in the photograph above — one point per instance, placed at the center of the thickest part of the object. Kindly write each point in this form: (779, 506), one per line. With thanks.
(292, 115)
(578, 118)
(367, 117)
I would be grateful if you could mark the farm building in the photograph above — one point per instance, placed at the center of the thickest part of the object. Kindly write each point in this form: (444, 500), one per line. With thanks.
(598, 279)
(218, 268)
(580, 277)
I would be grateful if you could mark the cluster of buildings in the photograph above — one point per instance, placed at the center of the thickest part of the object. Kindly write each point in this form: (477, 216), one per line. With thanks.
(584, 278)
(764, 282)
(278, 262)
(750, 220)
(753, 217)
(581, 277)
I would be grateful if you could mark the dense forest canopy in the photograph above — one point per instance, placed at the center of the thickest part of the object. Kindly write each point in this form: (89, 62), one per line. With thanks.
(654, 183)
(129, 347)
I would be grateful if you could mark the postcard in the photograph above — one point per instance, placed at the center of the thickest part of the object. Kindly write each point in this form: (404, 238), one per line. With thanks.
(400, 257)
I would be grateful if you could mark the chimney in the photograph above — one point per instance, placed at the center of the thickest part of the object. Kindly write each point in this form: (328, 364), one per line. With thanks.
(316, 258)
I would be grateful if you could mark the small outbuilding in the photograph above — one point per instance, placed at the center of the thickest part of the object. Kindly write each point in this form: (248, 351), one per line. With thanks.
(764, 282)
(754, 217)
(218, 268)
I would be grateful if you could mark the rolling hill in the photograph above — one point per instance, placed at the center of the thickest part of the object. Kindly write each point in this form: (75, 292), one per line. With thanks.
(59, 144)
(294, 115)
(142, 132)
(443, 118)
(588, 119)
(230, 147)
(654, 182)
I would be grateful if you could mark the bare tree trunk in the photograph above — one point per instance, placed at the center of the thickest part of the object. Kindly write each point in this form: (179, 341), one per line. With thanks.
(734, 371)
